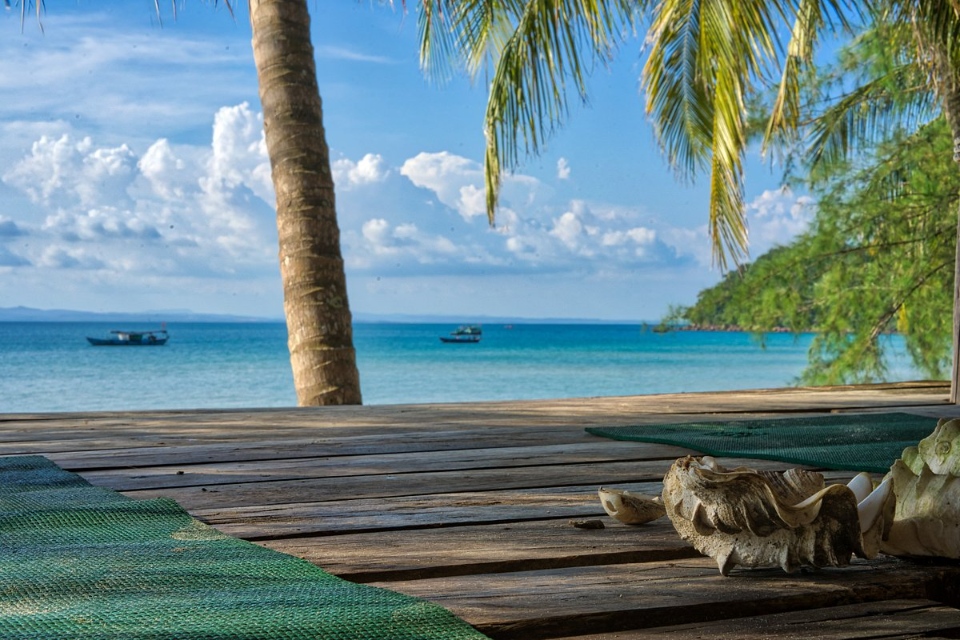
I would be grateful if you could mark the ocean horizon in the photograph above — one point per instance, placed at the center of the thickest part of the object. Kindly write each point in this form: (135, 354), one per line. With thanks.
(50, 367)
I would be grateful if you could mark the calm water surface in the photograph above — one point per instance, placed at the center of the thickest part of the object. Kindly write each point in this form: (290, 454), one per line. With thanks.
(51, 367)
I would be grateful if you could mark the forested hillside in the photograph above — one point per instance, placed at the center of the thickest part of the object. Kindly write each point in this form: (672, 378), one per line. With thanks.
(878, 258)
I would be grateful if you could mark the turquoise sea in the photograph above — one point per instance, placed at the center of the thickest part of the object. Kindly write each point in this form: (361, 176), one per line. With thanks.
(50, 367)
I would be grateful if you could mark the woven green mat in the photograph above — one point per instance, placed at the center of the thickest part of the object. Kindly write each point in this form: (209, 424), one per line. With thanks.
(77, 561)
(854, 442)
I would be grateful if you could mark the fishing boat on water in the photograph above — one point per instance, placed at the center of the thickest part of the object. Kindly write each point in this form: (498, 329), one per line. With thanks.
(466, 334)
(132, 339)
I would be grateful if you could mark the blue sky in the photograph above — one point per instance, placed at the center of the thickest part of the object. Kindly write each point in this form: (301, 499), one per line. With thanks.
(133, 177)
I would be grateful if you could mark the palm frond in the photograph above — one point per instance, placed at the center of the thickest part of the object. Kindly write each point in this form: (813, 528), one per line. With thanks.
(678, 96)
(785, 113)
(705, 58)
(39, 5)
(555, 43)
(463, 35)
(896, 95)
(865, 114)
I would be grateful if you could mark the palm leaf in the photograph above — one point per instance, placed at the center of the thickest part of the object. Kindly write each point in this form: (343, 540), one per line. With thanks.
(538, 49)
(891, 90)
(705, 57)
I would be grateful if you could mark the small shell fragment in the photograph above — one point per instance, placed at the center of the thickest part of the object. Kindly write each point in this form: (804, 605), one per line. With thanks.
(631, 508)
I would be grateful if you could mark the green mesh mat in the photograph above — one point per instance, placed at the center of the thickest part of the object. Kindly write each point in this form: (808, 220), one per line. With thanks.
(77, 561)
(854, 442)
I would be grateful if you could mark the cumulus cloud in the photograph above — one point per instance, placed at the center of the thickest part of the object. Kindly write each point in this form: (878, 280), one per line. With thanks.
(98, 224)
(239, 153)
(370, 169)
(638, 237)
(456, 181)
(205, 211)
(60, 171)
(777, 216)
(399, 246)
(569, 229)
(588, 236)
(164, 171)
(168, 210)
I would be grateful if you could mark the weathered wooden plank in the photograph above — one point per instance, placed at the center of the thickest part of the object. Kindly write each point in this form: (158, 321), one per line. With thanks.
(324, 466)
(208, 498)
(889, 620)
(332, 441)
(435, 509)
(107, 447)
(489, 548)
(438, 509)
(206, 501)
(923, 396)
(567, 602)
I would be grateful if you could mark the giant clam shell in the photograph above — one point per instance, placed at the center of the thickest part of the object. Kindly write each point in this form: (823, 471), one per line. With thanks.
(631, 508)
(925, 480)
(763, 518)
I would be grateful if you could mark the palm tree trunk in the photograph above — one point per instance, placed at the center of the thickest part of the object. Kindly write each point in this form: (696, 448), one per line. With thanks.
(319, 328)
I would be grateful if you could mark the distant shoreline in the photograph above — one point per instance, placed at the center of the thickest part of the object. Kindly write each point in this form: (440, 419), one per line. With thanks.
(728, 328)
(27, 314)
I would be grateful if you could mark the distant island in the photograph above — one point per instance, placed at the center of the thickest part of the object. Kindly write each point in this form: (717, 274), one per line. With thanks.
(27, 314)
(730, 328)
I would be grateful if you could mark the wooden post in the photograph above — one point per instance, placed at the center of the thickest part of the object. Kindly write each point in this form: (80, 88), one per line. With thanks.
(955, 369)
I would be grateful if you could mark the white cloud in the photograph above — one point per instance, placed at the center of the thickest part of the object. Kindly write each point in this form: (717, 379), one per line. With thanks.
(342, 53)
(166, 173)
(376, 232)
(586, 238)
(68, 258)
(60, 171)
(639, 239)
(568, 229)
(168, 211)
(370, 169)
(384, 243)
(457, 181)
(239, 155)
(98, 224)
(776, 217)
(691, 243)
(94, 73)
(563, 169)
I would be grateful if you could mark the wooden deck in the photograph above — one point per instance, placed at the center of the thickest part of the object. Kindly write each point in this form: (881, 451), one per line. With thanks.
(469, 505)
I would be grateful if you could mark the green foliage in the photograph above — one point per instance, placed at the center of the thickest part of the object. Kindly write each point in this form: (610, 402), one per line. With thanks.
(879, 258)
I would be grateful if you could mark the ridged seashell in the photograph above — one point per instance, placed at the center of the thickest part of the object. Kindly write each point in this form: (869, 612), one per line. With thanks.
(925, 480)
(631, 508)
(764, 518)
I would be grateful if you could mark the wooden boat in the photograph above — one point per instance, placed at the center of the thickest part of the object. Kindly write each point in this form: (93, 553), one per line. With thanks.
(467, 334)
(132, 339)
